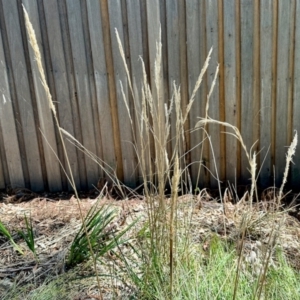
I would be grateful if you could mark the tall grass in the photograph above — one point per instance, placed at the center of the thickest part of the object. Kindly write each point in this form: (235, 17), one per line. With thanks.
(69, 174)
(247, 216)
(154, 125)
(167, 255)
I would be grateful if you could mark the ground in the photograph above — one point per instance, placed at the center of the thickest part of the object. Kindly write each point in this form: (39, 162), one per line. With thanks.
(56, 220)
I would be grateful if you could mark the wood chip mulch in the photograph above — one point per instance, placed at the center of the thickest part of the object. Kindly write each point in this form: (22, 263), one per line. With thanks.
(56, 222)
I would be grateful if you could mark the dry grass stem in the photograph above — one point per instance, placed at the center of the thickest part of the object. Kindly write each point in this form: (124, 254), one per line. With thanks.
(236, 133)
(34, 44)
(37, 55)
(289, 157)
(253, 177)
(173, 231)
(198, 83)
(211, 90)
(155, 125)
(206, 117)
(124, 60)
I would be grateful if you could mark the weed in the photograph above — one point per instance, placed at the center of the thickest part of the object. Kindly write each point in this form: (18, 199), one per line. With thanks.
(6, 233)
(102, 238)
(28, 236)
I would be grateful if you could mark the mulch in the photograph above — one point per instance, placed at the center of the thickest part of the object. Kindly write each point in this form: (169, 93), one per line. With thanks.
(56, 220)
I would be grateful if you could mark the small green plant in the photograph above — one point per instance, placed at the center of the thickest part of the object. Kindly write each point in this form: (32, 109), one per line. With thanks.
(7, 234)
(28, 236)
(101, 236)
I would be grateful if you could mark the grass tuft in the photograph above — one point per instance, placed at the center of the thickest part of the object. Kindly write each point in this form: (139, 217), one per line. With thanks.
(6, 233)
(28, 236)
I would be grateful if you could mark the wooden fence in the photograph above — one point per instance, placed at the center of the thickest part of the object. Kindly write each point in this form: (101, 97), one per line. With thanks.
(256, 43)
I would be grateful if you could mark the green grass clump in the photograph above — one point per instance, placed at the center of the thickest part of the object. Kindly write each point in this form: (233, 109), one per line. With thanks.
(6, 233)
(102, 238)
(28, 236)
(210, 274)
(62, 287)
(282, 280)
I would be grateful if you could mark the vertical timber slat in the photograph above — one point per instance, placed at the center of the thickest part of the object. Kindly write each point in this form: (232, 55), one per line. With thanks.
(184, 148)
(43, 107)
(92, 84)
(100, 73)
(173, 59)
(159, 94)
(247, 72)
(203, 91)
(221, 90)
(69, 65)
(2, 180)
(266, 53)
(153, 21)
(59, 70)
(9, 131)
(212, 37)
(283, 48)
(128, 153)
(112, 88)
(194, 69)
(23, 95)
(230, 86)
(296, 109)
(256, 80)
(136, 52)
(83, 87)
